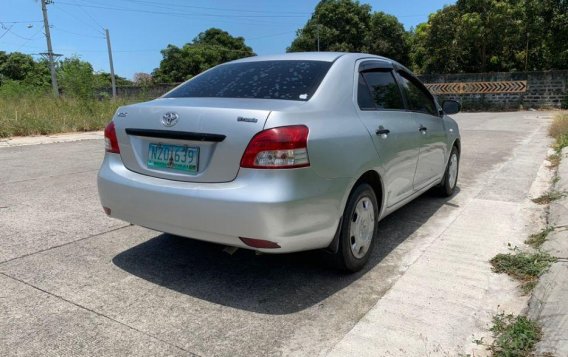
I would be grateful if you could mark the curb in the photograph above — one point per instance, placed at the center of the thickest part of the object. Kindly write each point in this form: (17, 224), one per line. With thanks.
(549, 302)
(50, 139)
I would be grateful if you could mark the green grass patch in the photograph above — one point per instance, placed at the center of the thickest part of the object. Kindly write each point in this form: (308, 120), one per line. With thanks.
(514, 335)
(525, 267)
(39, 114)
(548, 197)
(536, 240)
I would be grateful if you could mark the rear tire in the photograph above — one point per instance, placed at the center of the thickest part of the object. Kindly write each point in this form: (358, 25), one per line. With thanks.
(450, 180)
(358, 229)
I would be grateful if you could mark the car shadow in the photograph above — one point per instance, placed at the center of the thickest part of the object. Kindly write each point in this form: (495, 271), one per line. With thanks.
(267, 284)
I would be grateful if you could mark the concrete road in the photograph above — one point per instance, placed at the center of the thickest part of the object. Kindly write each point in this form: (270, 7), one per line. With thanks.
(74, 282)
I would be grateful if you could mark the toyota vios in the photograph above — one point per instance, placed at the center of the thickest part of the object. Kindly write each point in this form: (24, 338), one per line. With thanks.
(281, 153)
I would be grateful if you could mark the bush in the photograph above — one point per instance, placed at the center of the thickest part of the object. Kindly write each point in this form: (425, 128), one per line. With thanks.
(14, 90)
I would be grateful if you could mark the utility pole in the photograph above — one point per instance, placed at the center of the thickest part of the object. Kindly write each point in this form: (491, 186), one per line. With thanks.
(112, 79)
(49, 48)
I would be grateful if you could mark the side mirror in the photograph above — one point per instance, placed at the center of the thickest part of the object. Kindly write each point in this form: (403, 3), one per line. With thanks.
(451, 107)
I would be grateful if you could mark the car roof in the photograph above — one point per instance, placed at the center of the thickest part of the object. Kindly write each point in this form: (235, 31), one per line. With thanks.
(310, 56)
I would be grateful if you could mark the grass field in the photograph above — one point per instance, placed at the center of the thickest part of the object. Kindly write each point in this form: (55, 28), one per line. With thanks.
(43, 114)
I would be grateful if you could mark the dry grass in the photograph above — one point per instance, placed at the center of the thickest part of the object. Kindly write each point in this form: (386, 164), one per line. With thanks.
(554, 160)
(37, 115)
(548, 197)
(559, 131)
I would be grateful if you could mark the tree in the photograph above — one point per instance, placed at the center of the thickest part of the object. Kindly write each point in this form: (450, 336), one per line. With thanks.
(493, 35)
(207, 50)
(23, 69)
(387, 37)
(76, 78)
(103, 79)
(348, 26)
(433, 45)
(342, 25)
(16, 66)
(143, 79)
(546, 34)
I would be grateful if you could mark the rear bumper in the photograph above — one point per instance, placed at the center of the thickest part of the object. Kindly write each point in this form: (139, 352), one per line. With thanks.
(295, 208)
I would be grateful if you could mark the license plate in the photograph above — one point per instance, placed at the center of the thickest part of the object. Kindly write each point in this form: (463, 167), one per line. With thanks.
(175, 157)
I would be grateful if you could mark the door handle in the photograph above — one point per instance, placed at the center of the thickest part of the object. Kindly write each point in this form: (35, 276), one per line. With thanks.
(423, 129)
(382, 132)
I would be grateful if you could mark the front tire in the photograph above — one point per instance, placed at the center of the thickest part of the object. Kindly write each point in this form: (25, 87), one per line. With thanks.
(358, 229)
(449, 182)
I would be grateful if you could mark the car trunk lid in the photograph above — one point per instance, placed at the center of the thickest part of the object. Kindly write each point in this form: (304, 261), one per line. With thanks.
(216, 131)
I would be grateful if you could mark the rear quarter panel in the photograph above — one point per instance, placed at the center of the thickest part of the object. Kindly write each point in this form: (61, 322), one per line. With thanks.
(339, 145)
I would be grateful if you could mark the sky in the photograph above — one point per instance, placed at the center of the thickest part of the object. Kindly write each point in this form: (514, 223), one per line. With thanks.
(139, 29)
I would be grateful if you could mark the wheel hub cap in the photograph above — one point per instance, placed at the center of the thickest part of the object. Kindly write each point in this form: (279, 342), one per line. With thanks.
(362, 227)
(453, 170)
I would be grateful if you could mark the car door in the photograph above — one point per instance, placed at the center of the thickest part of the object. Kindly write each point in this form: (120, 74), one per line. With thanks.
(381, 107)
(431, 160)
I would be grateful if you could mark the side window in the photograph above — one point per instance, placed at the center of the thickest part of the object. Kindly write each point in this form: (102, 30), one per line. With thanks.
(364, 98)
(418, 99)
(384, 90)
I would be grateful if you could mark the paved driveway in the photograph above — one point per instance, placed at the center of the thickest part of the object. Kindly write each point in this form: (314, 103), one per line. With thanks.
(74, 282)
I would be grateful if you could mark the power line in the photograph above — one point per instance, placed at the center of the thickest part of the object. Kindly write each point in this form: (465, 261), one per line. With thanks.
(31, 38)
(9, 29)
(162, 4)
(158, 50)
(272, 35)
(178, 13)
(74, 17)
(57, 28)
(19, 22)
(92, 18)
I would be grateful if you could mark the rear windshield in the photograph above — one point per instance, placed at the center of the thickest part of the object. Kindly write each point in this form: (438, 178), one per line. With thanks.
(291, 80)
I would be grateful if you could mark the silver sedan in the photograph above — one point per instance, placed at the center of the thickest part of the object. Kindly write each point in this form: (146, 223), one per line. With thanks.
(281, 154)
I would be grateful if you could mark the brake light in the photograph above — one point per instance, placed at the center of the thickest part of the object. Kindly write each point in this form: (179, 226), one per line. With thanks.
(111, 142)
(278, 148)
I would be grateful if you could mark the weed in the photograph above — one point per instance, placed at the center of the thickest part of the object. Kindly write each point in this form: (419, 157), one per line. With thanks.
(559, 131)
(548, 197)
(514, 335)
(537, 239)
(525, 267)
(554, 160)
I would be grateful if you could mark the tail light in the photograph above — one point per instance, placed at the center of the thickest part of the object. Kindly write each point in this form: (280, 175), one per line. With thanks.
(278, 148)
(111, 142)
